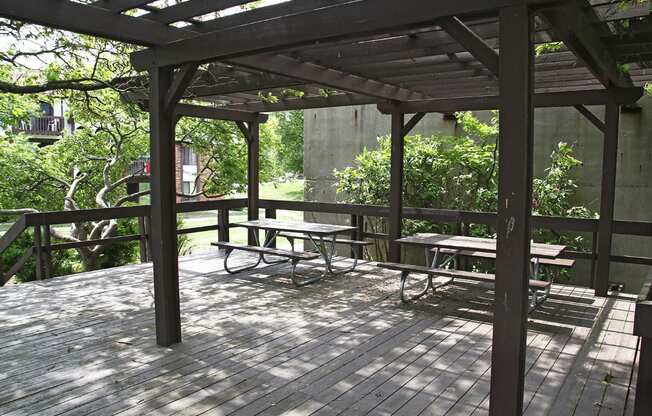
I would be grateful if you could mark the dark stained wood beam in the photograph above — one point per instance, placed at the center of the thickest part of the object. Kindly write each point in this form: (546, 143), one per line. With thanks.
(253, 177)
(213, 113)
(163, 211)
(321, 25)
(81, 18)
(588, 114)
(264, 13)
(607, 198)
(284, 65)
(555, 99)
(514, 212)
(395, 219)
(119, 6)
(190, 9)
(471, 42)
(412, 123)
(182, 79)
(571, 23)
(339, 100)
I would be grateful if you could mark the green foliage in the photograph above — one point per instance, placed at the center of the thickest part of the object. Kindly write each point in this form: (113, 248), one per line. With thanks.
(548, 47)
(290, 146)
(121, 253)
(458, 173)
(63, 262)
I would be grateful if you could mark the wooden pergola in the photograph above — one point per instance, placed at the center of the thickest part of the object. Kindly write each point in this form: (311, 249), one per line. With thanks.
(406, 57)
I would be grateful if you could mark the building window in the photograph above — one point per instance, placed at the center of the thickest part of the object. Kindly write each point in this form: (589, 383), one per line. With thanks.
(188, 156)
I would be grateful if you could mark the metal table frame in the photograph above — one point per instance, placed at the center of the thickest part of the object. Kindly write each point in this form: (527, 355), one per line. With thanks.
(324, 242)
(452, 261)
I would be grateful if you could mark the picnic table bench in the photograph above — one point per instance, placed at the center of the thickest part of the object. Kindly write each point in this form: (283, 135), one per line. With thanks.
(323, 236)
(535, 285)
(454, 246)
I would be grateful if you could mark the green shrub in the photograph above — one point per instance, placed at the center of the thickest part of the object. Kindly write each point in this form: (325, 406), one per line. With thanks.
(63, 261)
(459, 173)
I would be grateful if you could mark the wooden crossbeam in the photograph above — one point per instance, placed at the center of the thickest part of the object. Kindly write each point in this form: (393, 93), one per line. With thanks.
(588, 114)
(90, 20)
(556, 99)
(190, 9)
(93, 20)
(119, 6)
(326, 24)
(309, 72)
(471, 42)
(574, 27)
(340, 100)
(213, 113)
(181, 81)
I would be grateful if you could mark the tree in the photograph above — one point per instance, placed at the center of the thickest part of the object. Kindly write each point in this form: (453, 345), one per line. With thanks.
(290, 147)
(89, 169)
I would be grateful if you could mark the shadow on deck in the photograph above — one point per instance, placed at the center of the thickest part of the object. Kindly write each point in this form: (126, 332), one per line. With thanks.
(256, 345)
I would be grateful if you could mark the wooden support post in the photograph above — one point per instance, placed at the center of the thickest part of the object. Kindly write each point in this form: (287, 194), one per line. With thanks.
(47, 253)
(253, 174)
(643, 402)
(223, 225)
(607, 197)
(143, 240)
(514, 211)
(594, 252)
(164, 219)
(270, 213)
(357, 221)
(38, 247)
(396, 188)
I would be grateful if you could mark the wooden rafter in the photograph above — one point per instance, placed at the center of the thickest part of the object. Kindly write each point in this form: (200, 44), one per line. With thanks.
(327, 24)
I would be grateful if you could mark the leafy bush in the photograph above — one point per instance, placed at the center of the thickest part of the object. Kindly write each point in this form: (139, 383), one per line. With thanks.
(63, 261)
(122, 253)
(458, 173)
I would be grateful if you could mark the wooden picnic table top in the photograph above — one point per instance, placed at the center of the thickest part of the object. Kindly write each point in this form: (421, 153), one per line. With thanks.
(487, 245)
(297, 227)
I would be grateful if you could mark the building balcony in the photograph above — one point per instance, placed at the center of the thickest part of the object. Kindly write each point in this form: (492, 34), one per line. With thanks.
(42, 126)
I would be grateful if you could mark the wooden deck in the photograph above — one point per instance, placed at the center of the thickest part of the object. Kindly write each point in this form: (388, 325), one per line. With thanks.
(256, 345)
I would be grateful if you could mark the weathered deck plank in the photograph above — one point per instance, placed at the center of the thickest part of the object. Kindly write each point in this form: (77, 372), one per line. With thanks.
(256, 345)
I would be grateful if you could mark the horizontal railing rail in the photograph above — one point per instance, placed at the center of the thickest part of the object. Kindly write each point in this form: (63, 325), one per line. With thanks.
(588, 225)
(41, 222)
(357, 213)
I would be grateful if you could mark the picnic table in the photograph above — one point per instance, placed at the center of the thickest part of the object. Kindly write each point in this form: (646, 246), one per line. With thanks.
(324, 237)
(452, 246)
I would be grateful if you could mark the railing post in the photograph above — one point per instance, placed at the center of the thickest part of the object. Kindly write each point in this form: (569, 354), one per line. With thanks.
(464, 261)
(38, 247)
(270, 213)
(143, 239)
(223, 225)
(47, 253)
(594, 250)
(358, 222)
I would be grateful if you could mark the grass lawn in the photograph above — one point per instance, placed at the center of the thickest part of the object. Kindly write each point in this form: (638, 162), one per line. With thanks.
(288, 191)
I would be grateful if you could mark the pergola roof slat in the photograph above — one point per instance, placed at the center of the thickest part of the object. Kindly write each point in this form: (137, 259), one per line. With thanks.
(190, 9)
(326, 24)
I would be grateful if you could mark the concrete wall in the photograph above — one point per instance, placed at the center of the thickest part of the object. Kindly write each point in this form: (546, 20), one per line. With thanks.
(333, 138)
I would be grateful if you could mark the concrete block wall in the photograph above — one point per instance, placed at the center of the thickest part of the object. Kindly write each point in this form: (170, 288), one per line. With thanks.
(334, 137)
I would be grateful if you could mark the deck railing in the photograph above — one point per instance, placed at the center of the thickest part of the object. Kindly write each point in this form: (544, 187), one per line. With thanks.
(42, 126)
(643, 329)
(358, 214)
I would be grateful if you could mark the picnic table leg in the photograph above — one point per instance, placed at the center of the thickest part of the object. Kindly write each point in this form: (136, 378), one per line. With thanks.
(327, 251)
(270, 238)
(241, 269)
